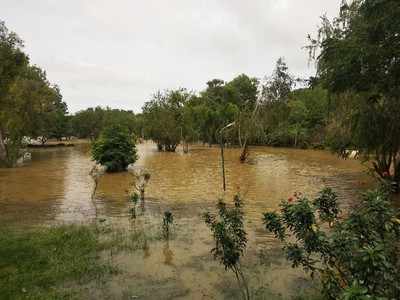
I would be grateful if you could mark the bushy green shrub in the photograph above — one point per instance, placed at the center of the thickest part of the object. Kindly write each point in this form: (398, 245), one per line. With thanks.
(358, 258)
(115, 149)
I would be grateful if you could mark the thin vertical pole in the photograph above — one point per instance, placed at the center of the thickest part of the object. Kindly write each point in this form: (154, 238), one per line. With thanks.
(222, 162)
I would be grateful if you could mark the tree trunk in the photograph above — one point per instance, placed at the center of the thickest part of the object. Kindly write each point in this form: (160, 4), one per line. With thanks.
(185, 147)
(142, 198)
(222, 164)
(396, 174)
(3, 150)
(142, 194)
(245, 153)
(240, 136)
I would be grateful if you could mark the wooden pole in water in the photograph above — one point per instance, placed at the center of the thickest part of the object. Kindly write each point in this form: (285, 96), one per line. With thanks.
(222, 162)
(222, 153)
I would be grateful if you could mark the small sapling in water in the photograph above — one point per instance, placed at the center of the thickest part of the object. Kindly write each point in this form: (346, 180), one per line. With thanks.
(230, 238)
(168, 220)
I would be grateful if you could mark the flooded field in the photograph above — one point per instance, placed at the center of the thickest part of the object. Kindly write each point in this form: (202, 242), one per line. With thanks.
(55, 188)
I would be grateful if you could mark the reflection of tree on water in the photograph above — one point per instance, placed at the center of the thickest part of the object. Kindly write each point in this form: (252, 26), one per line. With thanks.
(70, 167)
(168, 254)
(111, 195)
(146, 249)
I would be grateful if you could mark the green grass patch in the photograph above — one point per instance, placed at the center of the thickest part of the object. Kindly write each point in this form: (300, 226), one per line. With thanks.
(48, 263)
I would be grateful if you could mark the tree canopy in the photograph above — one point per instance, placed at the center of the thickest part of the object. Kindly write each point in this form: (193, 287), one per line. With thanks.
(115, 148)
(359, 61)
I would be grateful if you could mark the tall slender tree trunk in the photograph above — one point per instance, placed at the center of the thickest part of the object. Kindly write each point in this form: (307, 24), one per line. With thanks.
(396, 173)
(142, 198)
(246, 135)
(240, 135)
(222, 164)
(3, 150)
(245, 152)
(185, 147)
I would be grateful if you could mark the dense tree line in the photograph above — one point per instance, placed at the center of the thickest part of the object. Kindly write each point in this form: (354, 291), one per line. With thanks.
(263, 112)
(89, 123)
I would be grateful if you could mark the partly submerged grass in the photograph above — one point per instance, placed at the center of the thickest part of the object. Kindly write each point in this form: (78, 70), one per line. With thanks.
(61, 262)
(120, 240)
(45, 263)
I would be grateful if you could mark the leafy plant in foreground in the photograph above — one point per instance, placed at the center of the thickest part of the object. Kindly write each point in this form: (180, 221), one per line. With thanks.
(357, 259)
(230, 238)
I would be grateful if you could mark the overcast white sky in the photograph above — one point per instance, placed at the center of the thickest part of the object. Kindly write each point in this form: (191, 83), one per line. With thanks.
(118, 52)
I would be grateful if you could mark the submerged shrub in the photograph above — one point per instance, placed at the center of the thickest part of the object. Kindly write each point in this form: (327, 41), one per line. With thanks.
(115, 149)
(168, 220)
(357, 259)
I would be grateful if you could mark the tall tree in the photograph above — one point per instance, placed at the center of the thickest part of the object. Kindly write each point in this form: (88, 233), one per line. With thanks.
(360, 58)
(279, 85)
(12, 60)
(243, 92)
(29, 104)
(165, 118)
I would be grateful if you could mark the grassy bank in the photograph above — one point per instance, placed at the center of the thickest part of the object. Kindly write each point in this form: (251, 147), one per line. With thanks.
(49, 263)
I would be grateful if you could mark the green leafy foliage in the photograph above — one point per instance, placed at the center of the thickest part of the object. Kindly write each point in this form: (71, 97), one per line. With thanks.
(229, 234)
(230, 238)
(90, 122)
(269, 112)
(114, 149)
(29, 104)
(134, 198)
(280, 84)
(358, 258)
(359, 62)
(166, 120)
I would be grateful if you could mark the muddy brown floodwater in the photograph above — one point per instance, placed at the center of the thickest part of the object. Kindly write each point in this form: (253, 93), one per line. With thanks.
(55, 188)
